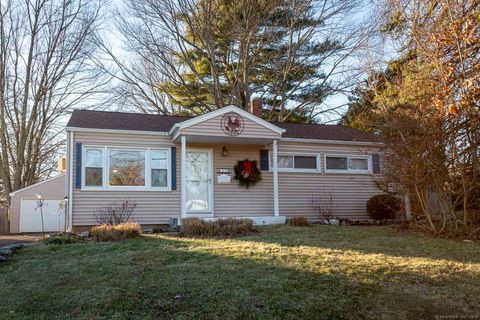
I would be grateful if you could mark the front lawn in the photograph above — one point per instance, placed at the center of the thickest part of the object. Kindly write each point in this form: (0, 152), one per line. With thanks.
(320, 272)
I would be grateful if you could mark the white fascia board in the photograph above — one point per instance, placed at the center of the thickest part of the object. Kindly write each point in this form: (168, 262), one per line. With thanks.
(153, 133)
(36, 184)
(204, 117)
(337, 142)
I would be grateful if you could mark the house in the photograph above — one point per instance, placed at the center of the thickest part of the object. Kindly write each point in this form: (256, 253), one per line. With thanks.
(175, 167)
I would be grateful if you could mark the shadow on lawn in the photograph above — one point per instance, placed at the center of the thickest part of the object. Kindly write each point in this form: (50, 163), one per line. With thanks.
(163, 277)
(370, 240)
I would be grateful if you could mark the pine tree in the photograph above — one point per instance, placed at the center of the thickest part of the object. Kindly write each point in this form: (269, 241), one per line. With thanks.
(254, 48)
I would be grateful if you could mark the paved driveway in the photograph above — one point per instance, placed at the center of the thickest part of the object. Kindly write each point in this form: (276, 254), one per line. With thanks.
(5, 240)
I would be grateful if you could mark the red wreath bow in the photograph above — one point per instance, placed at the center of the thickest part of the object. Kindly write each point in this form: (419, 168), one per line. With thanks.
(247, 168)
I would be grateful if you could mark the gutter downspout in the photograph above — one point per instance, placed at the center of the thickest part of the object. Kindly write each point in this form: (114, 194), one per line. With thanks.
(70, 181)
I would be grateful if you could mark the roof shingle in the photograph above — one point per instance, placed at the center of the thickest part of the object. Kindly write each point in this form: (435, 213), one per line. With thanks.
(161, 123)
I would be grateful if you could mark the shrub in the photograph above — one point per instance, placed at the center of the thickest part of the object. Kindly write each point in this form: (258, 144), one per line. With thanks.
(324, 204)
(65, 238)
(383, 206)
(122, 231)
(196, 227)
(299, 222)
(115, 213)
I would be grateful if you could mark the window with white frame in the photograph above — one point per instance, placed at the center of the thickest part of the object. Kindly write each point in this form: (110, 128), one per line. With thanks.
(159, 168)
(359, 164)
(112, 168)
(93, 167)
(296, 162)
(126, 167)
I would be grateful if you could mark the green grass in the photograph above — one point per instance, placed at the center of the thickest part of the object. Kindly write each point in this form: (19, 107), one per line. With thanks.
(320, 272)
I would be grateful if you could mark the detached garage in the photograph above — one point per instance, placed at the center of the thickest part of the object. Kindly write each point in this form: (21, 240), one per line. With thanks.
(24, 212)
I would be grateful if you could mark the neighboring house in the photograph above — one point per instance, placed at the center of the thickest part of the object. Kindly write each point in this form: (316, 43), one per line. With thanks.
(148, 159)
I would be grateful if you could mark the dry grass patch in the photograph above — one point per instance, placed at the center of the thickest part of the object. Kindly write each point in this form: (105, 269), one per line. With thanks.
(122, 231)
(299, 222)
(195, 227)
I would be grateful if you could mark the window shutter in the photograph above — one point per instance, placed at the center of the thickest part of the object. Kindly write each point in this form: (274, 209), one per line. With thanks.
(173, 158)
(264, 160)
(376, 163)
(78, 167)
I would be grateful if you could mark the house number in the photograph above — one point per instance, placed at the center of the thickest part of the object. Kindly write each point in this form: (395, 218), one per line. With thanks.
(224, 171)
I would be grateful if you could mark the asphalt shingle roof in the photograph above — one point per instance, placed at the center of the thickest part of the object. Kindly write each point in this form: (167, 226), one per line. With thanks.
(161, 123)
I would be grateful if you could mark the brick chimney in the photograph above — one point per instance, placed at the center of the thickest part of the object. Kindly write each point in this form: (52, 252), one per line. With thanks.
(255, 107)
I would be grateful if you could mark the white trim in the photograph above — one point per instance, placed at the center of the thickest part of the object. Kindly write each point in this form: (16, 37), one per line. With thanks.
(275, 180)
(211, 186)
(106, 169)
(183, 162)
(348, 171)
(337, 142)
(12, 194)
(70, 183)
(231, 108)
(257, 221)
(293, 170)
(123, 131)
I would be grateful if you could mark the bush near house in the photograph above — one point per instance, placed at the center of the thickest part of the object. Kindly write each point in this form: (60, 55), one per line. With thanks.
(195, 227)
(65, 238)
(122, 231)
(299, 222)
(383, 206)
(115, 213)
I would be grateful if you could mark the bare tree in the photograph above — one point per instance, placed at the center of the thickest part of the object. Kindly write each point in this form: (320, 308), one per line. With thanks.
(292, 54)
(46, 68)
(430, 113)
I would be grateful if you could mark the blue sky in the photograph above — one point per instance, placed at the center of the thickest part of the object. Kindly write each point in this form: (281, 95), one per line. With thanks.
(364, 59)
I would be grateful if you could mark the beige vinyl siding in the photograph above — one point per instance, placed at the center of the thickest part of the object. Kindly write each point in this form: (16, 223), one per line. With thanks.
(153, 207)
(231, 200)
(351, 191)
(49, 189)
(213, 127)
(157, 207)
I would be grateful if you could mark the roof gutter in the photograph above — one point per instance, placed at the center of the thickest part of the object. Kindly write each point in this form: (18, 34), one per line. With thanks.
(336, 142)
(124, 131)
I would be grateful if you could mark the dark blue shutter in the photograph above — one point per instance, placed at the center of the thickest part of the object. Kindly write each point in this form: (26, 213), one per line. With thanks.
(174, 167)
(264, 160)
(376, 163)
(78, 167)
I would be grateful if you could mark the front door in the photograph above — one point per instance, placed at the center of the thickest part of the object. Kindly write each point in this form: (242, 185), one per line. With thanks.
(199, 181)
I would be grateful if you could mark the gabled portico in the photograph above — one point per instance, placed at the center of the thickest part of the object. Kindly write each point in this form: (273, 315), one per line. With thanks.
(229, 126)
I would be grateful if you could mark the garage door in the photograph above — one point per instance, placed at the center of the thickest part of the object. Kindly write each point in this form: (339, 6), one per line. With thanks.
(30, 217)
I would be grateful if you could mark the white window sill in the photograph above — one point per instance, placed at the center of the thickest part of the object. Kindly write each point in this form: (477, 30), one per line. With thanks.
(348, 171)
(297, 170)
(129, 189)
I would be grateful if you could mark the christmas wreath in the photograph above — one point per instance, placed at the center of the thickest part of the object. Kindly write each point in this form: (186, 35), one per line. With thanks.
(247, 173)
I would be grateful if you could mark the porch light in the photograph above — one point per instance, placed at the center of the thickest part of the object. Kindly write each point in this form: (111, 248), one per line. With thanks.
(224, 151)
(39, 196)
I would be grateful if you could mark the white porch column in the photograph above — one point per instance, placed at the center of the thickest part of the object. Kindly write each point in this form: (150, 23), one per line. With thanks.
(275, 180)
(183, 187)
